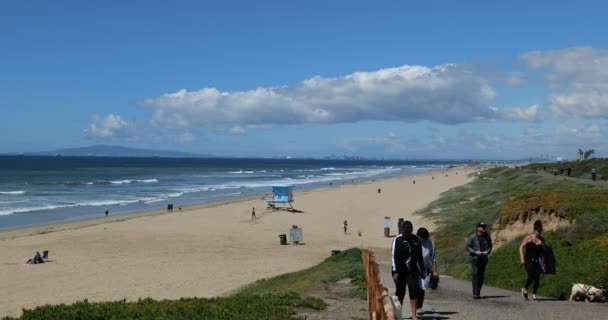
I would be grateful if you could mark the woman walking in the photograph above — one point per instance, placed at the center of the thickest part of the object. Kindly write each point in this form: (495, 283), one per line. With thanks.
(430, 264)
(530, 253)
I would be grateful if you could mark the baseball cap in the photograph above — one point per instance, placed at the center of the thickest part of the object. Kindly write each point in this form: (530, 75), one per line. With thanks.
(481, 224)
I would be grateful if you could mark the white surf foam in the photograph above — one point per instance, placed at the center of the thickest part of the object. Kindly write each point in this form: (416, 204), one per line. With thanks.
(12, 193)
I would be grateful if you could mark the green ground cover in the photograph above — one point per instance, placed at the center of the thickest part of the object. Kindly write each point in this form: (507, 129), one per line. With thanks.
(581, 250)
(274, 299)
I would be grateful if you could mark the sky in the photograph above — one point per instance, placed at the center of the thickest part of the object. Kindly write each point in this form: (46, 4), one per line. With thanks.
(393, 79)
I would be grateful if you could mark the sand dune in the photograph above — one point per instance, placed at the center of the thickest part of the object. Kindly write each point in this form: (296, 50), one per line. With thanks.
(203, 250)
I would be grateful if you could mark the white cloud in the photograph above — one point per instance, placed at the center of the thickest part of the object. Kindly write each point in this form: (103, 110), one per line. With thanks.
(237, 130)
(530, 113)
(516, 79)
(393, 136)
(109, 126)
(184, 137)
(578, 78)
(448, 94)
(375, 146)
(113, 127)
(589, 131)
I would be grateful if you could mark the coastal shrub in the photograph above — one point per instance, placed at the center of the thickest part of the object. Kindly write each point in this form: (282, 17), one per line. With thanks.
(581, 250)
(346, 264)
(271, 307)
(584, 263)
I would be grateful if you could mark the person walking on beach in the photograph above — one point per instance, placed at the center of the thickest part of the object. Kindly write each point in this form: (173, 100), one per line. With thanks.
(407, 265)
(253, 213)
(430, 264)
(479, 246)
(107, 212)
(530, 253)
(345, 226)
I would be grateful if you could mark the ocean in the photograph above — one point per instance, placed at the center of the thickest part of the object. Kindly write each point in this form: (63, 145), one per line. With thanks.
(37, 190)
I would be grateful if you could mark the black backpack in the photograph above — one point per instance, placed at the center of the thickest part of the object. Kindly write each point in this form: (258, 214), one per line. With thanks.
(547, 260)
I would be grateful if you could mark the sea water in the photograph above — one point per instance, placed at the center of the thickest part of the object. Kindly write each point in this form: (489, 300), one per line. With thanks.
(37, 190)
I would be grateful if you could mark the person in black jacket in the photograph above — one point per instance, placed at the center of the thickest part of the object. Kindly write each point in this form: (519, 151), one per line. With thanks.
(479, 247)
(407, 265)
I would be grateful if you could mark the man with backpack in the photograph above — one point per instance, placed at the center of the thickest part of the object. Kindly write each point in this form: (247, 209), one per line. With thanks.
(479, 247)
(407, 265)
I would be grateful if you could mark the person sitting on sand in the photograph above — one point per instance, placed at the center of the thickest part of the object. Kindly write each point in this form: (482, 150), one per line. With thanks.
(36, 260)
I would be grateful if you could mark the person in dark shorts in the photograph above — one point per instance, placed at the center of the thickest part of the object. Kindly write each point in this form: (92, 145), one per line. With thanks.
(479, 247)
(407, 265)
(530, 253)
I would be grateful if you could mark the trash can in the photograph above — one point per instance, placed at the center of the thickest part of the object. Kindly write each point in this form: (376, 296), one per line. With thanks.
(335, 252)
(400, 225)
(283, 239)
(387, 226)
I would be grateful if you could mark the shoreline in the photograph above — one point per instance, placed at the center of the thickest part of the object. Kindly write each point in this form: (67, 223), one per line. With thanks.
(205, 250)
(43, 228)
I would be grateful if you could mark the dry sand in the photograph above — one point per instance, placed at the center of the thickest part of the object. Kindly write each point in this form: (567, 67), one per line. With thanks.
(205, 250)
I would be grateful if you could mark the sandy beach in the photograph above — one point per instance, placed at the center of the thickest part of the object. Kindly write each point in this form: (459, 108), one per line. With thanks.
(206, 250)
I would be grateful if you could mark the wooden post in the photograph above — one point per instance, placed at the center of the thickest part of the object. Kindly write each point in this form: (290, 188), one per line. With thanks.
(379, 303)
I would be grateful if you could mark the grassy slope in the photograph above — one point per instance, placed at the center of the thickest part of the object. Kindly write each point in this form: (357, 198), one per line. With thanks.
(274, 298)
(580, 169)
(460, 208)
(347, 264)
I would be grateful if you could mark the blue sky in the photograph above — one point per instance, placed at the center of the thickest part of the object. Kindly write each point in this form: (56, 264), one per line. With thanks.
(398, 79)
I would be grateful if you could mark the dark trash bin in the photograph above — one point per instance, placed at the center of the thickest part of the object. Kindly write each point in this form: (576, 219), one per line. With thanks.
(335, 252)
(283, 239)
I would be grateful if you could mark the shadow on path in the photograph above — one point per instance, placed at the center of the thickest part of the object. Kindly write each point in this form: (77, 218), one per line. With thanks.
(493, 297)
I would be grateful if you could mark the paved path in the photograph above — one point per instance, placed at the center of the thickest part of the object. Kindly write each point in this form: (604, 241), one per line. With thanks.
(453, 300)
(549, 175)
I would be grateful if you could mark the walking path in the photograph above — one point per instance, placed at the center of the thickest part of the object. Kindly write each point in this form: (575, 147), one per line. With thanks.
(549, 175)
(453, 300)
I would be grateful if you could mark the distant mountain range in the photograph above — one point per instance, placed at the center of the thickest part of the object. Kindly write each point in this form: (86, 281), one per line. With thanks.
(115, 151)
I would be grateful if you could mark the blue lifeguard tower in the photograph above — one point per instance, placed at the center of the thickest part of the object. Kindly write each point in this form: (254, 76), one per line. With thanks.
(280, 194)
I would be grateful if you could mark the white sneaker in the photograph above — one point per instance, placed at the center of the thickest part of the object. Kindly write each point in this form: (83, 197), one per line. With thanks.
(524, 293)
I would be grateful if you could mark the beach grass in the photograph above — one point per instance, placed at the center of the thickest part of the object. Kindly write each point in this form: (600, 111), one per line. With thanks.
(274, 298)
(346, 264)
(581, 249)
